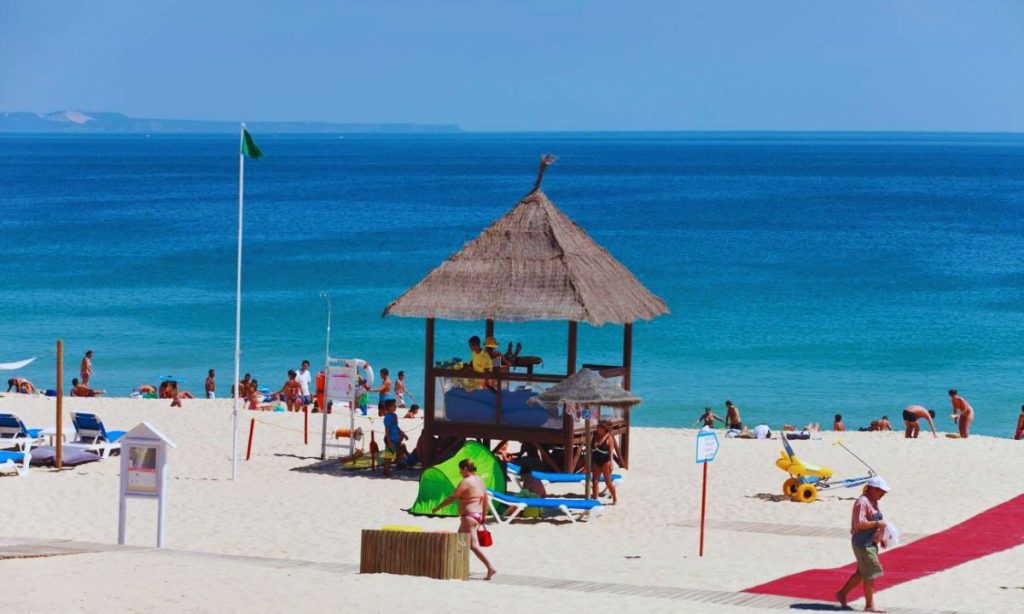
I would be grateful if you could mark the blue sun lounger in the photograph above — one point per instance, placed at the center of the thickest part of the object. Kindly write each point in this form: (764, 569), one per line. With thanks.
(92, 436)
(589, 508)
(562, 478)
(10, 460)
(13, 433)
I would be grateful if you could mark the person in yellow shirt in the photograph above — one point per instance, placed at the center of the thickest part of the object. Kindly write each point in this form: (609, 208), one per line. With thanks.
(480, 362)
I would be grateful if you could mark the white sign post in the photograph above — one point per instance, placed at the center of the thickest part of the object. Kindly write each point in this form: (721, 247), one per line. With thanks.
(144, 474)
(707, 449)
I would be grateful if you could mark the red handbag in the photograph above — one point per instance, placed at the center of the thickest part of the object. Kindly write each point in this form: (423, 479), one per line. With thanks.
(483, 535)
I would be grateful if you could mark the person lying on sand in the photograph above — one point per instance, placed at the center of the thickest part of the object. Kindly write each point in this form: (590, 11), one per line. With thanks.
(413, 411)
(912, 414)
(79, 390)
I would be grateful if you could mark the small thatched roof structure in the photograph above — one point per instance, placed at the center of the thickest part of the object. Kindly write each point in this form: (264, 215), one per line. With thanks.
(534, 263)
(586, 387)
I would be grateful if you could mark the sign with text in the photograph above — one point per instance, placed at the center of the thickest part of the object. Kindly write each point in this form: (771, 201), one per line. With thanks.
(707, 446)
(141, 469)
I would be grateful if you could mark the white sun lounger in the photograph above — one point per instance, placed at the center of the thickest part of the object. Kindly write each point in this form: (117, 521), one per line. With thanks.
(13, 433)
(589, 508)
(9, 460)
(92, 436)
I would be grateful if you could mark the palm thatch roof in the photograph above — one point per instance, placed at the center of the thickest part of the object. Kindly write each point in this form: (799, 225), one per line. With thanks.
(586, 387)
(534, 263)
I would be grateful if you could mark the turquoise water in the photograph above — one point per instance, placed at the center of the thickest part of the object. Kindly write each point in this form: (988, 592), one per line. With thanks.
(807, 274)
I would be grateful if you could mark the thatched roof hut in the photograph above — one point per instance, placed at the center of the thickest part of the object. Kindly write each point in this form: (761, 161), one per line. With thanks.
(586, 388)
(534, 263)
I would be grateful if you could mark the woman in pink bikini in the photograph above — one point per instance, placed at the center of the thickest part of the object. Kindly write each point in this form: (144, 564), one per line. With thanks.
(471, 494)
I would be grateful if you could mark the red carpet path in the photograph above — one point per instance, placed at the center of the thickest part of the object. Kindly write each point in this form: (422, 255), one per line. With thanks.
(994, 530)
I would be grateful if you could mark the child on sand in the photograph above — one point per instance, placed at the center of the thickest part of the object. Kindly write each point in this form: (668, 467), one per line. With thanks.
(392, 434)
(837, 424)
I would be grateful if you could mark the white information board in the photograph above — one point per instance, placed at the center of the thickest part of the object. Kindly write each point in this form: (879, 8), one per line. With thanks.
(707, 446)
(143, 474)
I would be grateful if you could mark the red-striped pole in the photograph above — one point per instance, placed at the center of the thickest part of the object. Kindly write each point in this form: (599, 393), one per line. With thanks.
(703, 500)
(248, 449)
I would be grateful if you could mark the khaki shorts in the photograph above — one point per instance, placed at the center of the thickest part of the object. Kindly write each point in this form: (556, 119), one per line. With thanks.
(868, 565)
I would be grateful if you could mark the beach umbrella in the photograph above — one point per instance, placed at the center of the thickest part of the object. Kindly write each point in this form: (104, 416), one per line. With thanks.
(586, 389)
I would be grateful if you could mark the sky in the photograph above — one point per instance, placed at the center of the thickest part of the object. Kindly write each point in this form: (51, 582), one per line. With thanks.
(916, 65)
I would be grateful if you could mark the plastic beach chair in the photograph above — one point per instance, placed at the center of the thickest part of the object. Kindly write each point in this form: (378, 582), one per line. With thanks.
(562, 478)
(585, 507)
(13, 433)
(9, 460)
(92, 436)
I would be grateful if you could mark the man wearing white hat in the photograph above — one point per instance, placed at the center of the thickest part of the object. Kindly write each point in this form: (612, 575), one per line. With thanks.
(868, 533)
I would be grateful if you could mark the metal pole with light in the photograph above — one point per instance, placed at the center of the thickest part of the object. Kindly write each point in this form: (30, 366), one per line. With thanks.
(327, 371)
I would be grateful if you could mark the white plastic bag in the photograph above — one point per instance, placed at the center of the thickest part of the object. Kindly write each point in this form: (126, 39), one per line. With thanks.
(891, 535)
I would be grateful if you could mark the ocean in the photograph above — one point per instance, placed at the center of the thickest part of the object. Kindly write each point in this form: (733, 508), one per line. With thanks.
(807, 274)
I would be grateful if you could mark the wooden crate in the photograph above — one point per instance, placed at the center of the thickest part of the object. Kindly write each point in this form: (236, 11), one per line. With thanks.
(435, 555)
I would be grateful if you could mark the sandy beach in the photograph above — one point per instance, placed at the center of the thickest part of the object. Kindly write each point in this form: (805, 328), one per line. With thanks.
(283, 538)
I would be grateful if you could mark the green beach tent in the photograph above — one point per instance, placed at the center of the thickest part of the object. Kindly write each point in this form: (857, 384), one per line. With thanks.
(438, 482)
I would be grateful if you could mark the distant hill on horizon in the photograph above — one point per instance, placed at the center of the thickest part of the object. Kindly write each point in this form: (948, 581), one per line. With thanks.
(92, 122)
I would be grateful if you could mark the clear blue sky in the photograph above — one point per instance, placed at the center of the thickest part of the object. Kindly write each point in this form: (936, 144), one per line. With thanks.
(526, 65)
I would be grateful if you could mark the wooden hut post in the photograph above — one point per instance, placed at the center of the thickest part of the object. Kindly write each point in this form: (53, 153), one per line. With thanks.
(428, 396)
(589, 447)
(571, 365)
(488, 329)
(627, 378)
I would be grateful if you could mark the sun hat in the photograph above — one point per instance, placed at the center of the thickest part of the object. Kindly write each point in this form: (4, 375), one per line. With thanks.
(491, 343)
(879, 483)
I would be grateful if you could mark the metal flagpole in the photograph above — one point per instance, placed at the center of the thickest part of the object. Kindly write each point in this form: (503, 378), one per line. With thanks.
(238, 307)
(327, 374)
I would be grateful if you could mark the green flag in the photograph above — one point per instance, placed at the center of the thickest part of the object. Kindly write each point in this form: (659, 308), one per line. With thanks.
(249, 147)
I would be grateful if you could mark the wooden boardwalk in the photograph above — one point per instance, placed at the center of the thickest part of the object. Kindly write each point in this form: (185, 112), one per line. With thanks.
(15, 548)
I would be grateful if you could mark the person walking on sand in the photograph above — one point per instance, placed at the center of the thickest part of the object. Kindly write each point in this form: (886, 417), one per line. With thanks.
(400, 390)
(305, 379)
(211, 386)
(604, 451)
(963, 413)
(85, 371)
(912, 414)
(471, 493)
(732, 417)
(867, 530)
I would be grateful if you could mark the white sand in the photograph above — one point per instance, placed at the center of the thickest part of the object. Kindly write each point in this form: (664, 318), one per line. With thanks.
(276, 513)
